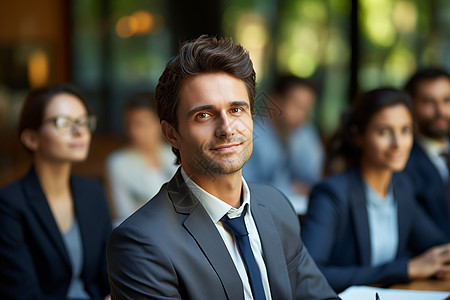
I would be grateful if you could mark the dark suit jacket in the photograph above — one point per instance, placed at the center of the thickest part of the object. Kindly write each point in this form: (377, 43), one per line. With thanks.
(430, 189)
(170, 249)
(34, 263)
(336, 231)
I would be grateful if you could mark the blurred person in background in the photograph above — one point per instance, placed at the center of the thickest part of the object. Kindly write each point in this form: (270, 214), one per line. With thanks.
(287, 149)
(54, 226)
(363, 224)
(137, 172)
(429, 161)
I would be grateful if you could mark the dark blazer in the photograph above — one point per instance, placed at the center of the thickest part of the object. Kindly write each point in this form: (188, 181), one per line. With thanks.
(171, 249)
(34, 263)
(336, 231)
(430, 189)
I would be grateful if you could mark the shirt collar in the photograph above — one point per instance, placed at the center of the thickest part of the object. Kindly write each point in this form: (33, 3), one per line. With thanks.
(375, 199)
(432, 146)
(215, 207)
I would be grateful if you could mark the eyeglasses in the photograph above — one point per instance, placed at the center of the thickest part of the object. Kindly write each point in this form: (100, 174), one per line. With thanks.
(65, 124)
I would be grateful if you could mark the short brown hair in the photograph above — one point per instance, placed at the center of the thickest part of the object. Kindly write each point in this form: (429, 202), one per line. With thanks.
(202, 55)
(424, 75)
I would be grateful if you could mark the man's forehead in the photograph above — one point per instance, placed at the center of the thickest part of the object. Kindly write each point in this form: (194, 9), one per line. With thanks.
(433, 81)
(212, 89)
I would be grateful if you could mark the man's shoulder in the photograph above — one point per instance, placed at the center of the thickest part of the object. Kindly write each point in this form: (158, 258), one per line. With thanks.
(264, 191)
(418, 161)
(155, 224)
(270, 197)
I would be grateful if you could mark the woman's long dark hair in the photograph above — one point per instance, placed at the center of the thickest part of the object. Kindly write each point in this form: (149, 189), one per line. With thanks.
(341, 149)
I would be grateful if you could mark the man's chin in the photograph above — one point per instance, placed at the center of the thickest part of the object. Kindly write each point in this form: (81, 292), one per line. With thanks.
(226, 168)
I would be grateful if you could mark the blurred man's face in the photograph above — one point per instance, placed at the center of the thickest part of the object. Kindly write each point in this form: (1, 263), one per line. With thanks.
(297, 105)
(432, 108)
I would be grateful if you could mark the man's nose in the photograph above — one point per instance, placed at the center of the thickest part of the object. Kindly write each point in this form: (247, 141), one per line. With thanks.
(441, 109)
(224, 126)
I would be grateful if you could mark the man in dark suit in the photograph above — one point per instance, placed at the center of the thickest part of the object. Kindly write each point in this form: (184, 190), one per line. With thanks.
(428, 163)
(182, 244)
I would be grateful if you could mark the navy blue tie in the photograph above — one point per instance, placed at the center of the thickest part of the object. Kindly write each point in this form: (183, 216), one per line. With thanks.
(237, 227)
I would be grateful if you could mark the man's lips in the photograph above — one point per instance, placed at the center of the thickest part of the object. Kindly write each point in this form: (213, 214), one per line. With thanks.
(441, 123)
(226, 148)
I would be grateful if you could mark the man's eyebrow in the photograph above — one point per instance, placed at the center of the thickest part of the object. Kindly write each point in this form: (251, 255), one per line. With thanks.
(239, 103)
(199, 108)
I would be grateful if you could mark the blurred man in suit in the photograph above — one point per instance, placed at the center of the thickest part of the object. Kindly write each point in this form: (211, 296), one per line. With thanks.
(208, 234)
(428, 163)
(287, 149)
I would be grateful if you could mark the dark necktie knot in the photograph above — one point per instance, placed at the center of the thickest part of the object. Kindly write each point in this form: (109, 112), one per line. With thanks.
(236, 225)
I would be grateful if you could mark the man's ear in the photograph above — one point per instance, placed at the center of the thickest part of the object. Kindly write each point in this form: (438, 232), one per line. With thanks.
(170, 134)
(30, 139)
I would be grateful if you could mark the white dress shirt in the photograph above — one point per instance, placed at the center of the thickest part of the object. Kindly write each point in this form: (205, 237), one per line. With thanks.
(216, 209)
(383, 225)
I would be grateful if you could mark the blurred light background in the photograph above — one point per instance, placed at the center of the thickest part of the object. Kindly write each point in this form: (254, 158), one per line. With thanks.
(112, 48)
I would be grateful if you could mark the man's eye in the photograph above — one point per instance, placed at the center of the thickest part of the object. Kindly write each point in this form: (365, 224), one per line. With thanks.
(236, 110)
(202, 115)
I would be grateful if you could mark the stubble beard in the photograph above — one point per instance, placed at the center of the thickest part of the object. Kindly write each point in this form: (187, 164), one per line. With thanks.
(429, 131)
(215, 164)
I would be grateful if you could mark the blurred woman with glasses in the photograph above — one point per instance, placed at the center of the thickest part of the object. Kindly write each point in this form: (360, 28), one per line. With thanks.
(53, 225)
(363, 225)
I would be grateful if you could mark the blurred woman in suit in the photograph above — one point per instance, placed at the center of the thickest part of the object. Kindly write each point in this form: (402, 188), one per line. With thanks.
(363, 224)
(54, 226)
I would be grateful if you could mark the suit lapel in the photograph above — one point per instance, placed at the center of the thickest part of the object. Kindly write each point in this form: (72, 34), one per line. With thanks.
(272, 248)
(38, 203)
(212, 245)
(199, 225)
(358, 204)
